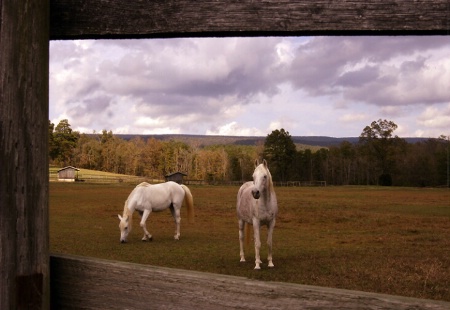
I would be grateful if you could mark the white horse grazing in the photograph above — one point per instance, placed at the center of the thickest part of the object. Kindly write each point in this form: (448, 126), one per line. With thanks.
(146, 198)
(257, 205)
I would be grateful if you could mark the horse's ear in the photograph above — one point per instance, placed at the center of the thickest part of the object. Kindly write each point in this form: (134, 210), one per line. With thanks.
(120, 218)
(265, 163)
(256, 163)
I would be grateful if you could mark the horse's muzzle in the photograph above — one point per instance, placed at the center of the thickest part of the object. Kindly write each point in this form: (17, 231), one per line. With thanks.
(255, 193)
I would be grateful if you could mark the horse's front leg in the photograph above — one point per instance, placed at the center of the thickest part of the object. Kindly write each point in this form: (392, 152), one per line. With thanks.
(269, 241)
(147, 235)
(241, 240)
(257, 243)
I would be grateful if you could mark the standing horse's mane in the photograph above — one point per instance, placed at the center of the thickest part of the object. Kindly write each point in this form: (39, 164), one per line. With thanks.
(270, 179)
(270, 186)
(270, 183)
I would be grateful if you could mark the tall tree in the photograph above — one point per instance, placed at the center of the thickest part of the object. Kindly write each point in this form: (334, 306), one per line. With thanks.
(64, 142)
(279, 150)
(52, 147)
(381, 147)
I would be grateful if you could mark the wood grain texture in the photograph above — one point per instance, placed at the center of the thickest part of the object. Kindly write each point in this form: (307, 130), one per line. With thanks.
(79, 282)
(71, 19)
(24, 259)
(92, 284)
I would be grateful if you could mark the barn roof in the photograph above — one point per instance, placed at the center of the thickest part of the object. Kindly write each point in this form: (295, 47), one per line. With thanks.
(68, 167)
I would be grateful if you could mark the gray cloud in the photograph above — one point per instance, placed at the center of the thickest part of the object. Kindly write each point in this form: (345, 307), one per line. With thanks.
(208, 83)
(379, 71)
(358, 77)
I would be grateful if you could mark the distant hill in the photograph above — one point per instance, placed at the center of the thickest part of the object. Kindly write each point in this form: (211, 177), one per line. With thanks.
(205, 140)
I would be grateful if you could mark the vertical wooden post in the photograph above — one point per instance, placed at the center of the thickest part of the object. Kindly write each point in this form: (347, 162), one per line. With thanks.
(24, 75)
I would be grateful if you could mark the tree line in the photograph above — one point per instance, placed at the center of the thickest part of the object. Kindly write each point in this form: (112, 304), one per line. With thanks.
(379, 158)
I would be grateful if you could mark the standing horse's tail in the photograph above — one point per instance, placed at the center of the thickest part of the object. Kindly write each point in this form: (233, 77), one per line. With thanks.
(189, 202)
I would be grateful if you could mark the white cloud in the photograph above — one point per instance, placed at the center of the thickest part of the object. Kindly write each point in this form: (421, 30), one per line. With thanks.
(233, 129)
(161, 131)
(145, 121)
(436, 118)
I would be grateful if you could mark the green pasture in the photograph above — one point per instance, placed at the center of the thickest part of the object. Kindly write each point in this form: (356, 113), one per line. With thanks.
(377, 239)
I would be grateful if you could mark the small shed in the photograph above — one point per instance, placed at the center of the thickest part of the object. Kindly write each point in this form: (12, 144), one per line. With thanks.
(176, 177)
(68, 174)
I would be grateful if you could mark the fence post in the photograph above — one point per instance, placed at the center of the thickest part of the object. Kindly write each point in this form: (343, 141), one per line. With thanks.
(24, 73)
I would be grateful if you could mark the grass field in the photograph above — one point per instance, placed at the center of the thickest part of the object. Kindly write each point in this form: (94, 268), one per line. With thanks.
(377, 239)
(95, 176)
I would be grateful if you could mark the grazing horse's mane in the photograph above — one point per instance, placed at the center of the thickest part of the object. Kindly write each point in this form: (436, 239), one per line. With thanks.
(126, 211)
(127, 214)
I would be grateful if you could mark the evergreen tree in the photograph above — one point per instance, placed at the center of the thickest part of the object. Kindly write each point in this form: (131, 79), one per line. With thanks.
(381, 148)
(279, 151)
(64, 141)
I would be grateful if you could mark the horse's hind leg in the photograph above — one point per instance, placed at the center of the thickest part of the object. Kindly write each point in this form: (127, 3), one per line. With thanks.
(269, 242)
(147, 235)
(175, 210)
(241, 240)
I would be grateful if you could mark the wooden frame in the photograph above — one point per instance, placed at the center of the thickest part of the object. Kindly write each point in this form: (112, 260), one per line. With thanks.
(25, 30)
(81, 19)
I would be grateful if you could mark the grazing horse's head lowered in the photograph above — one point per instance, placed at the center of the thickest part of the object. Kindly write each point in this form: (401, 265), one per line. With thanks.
(125, 227)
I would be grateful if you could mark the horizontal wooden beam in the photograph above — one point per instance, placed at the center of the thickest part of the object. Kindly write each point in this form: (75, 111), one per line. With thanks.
(84, 19)
(88, 283)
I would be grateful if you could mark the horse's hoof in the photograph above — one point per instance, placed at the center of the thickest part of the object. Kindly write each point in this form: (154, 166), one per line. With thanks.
(257, 268)
(150, 239)
(271, 265)
(242, 260)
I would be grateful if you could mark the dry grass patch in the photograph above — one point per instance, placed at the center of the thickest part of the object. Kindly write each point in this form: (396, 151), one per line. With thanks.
(386, 240)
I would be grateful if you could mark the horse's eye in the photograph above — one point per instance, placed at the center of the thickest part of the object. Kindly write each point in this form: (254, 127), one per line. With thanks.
(265, 177)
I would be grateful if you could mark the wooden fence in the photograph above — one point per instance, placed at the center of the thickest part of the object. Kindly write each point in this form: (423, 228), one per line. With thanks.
(87, 283)
(25, 29)
(239, 183)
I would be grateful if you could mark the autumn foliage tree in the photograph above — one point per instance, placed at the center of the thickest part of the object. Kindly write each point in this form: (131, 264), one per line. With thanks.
(380, 157)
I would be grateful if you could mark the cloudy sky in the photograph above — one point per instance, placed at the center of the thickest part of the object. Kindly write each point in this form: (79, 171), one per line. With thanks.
(328, 86)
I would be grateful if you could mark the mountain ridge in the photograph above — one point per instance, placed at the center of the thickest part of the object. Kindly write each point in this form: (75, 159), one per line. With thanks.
(205, 140)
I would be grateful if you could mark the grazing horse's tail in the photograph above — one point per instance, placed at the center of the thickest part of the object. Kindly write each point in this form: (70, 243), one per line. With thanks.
(189, 202)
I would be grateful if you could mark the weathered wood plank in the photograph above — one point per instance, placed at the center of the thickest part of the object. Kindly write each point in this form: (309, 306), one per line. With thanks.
(24, 258)
(79, 282)
(23, 141)
(72, 19)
